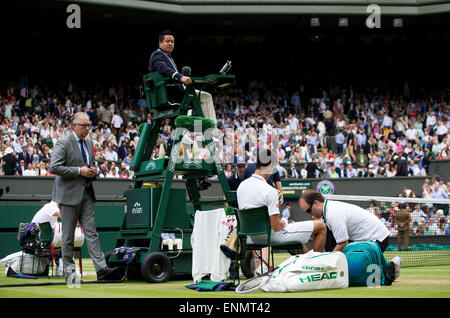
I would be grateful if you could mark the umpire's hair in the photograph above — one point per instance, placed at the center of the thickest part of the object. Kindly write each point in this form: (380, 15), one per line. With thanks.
(312, 195)
(264, 157)
(163, 33)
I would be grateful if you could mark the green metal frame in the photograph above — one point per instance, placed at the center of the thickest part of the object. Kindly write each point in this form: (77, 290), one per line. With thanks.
(161, 172)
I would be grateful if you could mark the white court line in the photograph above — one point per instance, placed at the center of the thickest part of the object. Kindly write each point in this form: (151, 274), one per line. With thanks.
(426, 276)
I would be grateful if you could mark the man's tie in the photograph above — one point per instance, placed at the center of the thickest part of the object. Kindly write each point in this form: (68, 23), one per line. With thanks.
(83, 153)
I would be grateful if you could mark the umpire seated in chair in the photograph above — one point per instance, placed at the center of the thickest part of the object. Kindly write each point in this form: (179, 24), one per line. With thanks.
(161, 61)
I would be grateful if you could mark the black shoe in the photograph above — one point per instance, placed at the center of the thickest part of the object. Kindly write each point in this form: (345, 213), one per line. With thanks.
(109, 274)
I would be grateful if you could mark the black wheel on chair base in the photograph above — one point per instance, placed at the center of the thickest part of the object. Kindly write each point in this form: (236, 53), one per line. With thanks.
(156, 268)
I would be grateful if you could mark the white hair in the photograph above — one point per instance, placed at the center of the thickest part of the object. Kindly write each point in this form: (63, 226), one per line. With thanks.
(78, 116)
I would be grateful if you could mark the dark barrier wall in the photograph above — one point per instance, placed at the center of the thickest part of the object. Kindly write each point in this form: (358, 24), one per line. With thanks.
(22, 197)
(440, 168)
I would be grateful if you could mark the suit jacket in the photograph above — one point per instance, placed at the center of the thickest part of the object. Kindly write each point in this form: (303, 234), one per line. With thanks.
(341, 173)
(165, 65)
(291, 173)
(25, 157)
(9, 164)
(69, 187)
(20, 169)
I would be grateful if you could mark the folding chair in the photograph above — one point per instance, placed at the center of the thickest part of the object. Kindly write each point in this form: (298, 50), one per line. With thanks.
(80, 259)
(256, 221)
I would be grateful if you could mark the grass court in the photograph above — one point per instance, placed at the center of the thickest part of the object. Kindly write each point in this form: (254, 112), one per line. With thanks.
(414, 282)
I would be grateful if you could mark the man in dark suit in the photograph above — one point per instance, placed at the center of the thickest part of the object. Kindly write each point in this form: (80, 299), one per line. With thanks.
(311, 168)
(293, 172)
(72, 162)
(122, 151)
(21, 167)
(24, 155)
(235, 180)
(341, 171)
(161, 61)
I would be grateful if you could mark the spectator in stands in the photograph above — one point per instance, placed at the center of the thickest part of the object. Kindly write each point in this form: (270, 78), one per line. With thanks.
(438, 193)
(9, 163)
(237, 177)
(413, 168)
(442, 228)
(342, 173)
(293, 172)
(287, 213)
(21, 167)
(332, 173)
(417, 214)
(350, 171)
(112, 174)
(30, 171)
(340, 141)
(361, 159)
(24, 155)
(350, 143)
(365, 114)
(420, 228)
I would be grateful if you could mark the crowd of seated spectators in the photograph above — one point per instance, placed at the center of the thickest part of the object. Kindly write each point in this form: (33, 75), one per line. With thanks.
(343, 132)
(426, 218)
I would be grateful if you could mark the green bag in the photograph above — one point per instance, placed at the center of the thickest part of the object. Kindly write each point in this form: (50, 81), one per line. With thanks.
(366, 264)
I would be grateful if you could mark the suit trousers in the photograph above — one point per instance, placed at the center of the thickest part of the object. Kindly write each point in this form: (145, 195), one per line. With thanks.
(84, 212)
(403, 238)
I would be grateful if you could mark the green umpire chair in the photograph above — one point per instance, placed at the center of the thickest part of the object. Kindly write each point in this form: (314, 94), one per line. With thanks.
(256, 222)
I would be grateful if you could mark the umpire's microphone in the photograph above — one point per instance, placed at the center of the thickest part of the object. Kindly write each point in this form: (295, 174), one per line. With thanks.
(186, 71)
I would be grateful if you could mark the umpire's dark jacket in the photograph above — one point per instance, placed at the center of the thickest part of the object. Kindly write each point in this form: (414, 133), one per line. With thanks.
(165, 65)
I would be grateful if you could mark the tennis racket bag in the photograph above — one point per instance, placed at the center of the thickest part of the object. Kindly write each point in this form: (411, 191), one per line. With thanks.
(365, 264)
(310, 271)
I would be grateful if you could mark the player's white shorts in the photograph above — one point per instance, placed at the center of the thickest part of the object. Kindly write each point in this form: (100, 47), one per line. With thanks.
(293, 232)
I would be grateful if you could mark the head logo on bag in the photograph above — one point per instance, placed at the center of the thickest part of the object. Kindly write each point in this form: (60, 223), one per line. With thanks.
(318, 277)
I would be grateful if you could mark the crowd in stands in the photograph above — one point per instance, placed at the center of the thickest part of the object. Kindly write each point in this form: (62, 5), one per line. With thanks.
(426, 218)
(343, 132)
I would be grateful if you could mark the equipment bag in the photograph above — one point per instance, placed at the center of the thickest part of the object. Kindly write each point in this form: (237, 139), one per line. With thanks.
(29, 264)
(310, 271)
(366, 264)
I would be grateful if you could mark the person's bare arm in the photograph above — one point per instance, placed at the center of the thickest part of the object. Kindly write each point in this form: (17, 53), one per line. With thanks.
(340, 246)
(276, 223)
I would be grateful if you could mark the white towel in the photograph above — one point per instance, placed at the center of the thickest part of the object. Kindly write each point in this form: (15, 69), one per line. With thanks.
(210, 230)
